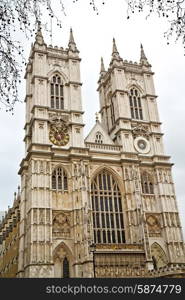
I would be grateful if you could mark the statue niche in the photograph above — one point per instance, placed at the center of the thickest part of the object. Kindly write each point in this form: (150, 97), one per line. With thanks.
(61, 226)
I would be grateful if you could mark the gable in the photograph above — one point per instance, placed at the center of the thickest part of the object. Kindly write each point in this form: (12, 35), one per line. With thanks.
(98, 135)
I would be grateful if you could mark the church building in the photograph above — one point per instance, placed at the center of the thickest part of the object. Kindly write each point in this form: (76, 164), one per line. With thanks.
(103, 205)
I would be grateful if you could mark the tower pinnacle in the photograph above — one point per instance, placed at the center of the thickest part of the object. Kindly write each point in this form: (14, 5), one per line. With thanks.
(143, 58)
(71, 37)
(114, 48)
(39, 37)
(115, 59)
(72, 44)
(102, 69)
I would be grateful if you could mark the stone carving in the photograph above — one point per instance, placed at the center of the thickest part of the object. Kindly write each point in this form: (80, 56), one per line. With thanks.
(159, 255)
(119, 246)
(41, 166)
(47, 167)
(154, 227)
(140, 130)
(41, 272)
(61, 225)
(36, 166)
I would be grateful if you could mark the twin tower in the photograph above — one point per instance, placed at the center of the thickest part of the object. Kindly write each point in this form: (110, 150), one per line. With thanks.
(103, 206)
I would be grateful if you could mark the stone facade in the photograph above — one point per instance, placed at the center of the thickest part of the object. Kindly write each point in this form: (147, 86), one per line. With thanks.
(9, 240)
(103, 206)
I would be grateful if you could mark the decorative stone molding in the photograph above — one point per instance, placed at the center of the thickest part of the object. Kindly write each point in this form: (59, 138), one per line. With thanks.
(62, 225)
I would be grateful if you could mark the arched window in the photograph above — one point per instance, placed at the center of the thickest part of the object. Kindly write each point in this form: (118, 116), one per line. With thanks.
(107, 210)
(56, 93)
(135, 104)
(98, 138)
(66, 268)
(59, 180)
(147, 183)
(112, 112)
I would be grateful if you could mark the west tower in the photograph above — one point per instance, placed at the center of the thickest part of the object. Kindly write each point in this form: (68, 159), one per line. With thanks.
(54, 172)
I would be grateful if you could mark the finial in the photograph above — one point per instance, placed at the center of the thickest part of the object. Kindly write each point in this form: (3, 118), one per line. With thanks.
(39, 38)
(38, 25)
(114, 48)
(115, 53)
(71, 37)
(102, 69)
(72, 44)
(143, 58)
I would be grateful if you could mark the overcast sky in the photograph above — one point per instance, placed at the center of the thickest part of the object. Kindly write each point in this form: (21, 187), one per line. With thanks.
(93, 35)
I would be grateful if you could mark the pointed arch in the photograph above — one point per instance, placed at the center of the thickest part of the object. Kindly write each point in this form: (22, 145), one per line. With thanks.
(63, 259)
(135, 85)
(135, 103)
(159, 256)
(107, 208)
(147, 183)
(59, 179)
(57, 70)
(56, 92)
(116, 176)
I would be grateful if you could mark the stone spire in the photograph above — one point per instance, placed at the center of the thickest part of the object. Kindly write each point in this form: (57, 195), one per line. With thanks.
(115, 53)
(39, 37)
(116, 60)
(143, 58)
(102, 68)
(71, 37)
(72, 44)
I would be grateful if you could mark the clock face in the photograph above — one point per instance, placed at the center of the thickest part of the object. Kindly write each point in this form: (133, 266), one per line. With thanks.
(59, 138)
(142, 145)
(58, 133)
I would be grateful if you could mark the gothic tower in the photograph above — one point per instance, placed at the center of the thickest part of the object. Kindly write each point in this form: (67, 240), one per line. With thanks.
(104, 206)
(54, 172)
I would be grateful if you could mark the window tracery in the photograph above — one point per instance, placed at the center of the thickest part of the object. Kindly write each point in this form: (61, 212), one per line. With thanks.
(56, 92)
(107, 209)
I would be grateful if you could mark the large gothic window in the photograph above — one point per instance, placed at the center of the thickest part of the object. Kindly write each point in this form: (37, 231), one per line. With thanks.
(107, 210)
(147, 183)
(59, 179)
(56, 93)
(135, 104)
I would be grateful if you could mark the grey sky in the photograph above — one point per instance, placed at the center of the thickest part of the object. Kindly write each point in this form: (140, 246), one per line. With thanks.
(93, 35)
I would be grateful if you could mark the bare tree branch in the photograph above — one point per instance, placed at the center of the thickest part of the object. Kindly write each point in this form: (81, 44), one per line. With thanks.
(172, 10)
(22, 16)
